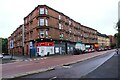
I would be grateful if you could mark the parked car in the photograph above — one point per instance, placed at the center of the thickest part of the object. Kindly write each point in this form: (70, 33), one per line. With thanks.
(1, 56)
(77, 51)
(80, 47)
(93, 50)
(4, 54)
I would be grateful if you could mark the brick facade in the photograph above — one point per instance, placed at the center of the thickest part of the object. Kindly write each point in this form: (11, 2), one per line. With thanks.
(45, 24)
(17, 37)
(58, 27)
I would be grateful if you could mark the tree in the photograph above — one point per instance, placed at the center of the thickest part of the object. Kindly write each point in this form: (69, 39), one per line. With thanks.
(118, 34)
(4, 45)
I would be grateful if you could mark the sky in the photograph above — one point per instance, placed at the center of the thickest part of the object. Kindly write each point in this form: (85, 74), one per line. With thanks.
(101, 15)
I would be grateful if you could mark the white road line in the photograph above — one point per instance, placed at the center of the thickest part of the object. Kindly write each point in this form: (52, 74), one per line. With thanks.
(53, 78)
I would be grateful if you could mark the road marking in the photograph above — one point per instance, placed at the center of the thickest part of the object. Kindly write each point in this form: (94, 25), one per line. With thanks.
(53, 78)
(66, 66)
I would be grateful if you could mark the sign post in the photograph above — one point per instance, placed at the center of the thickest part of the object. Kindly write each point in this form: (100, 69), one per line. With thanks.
(31, 46)
(11, 47)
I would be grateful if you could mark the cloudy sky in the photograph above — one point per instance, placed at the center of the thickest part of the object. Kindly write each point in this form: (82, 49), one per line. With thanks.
(101, 15)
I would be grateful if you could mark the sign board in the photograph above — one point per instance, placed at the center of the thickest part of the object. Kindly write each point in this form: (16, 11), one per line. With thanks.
(11, 44)
(31, 45)
(56, 50)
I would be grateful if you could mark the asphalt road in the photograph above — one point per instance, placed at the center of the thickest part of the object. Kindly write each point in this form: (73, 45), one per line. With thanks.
(78, 70)
(110, 69)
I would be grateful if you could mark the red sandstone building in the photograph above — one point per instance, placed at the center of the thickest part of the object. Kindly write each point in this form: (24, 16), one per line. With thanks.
(50, 31)
(18, 41)
(44, 24)
(112, 41)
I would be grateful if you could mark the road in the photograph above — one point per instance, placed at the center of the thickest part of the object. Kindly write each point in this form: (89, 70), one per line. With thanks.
(21, 68)
(110, 69)
(76, 70)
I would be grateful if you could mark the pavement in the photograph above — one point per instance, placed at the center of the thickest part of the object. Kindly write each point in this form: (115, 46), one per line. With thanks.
(15, 58)
(25, 67)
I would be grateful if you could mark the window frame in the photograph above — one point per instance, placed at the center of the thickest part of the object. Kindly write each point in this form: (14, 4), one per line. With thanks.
(42, 33)
(60, 16)
(60, 26)
(46, 22)
(46, 33)
(46, 11)
(42, 22)
(42, 10)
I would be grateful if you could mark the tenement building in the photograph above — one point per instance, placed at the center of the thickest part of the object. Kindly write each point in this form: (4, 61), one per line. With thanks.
(16, 41)
(112, 41)
(103, 41)
(48, 31)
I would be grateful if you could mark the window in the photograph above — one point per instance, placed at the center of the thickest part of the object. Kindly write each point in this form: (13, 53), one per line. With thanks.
(26, 21)
(70, 30)
(69, 22)
(41, 22)
(47, 33)
(46, 22)
(60, 26)
(41, 10)
(61, 35)
(59, 16)
(41, 33)
(46, 11)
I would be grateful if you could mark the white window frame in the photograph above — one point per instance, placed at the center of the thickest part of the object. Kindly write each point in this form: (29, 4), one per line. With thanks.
(42, 11)
(70, 22)
(60, 17)
(46, 11)
(60, 26)
(46, 22)
(42, 32)
(70, 30)
(62, 35)
(42, 22)
(46, 33)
